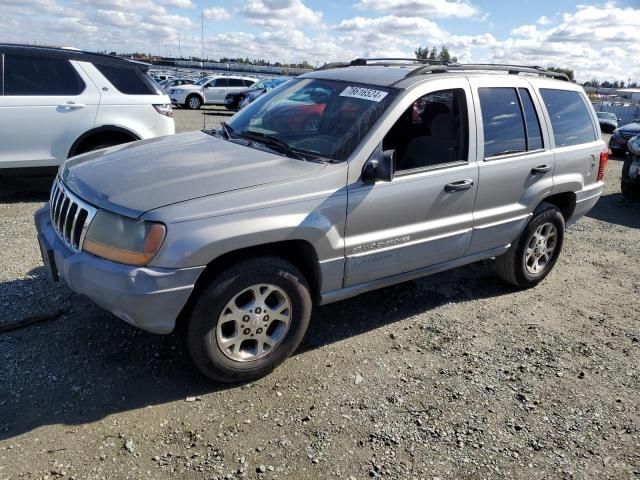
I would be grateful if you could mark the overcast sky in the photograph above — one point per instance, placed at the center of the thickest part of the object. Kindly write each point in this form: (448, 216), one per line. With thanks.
(597, 40)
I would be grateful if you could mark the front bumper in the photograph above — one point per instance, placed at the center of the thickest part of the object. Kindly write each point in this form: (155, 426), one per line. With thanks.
(148, 298)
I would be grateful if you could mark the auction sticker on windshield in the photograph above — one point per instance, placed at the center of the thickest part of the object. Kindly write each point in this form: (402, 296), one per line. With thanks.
(364, 93)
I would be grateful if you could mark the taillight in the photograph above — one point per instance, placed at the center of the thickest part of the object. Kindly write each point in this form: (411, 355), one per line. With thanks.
(604, 158)
(164, 109)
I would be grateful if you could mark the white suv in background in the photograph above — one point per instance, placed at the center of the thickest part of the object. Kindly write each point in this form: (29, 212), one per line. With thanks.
(56, 103)
(209, 91)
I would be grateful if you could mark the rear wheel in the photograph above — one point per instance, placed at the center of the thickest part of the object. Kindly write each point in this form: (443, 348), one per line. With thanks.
(193, 102)
(533, 255)
(249, 320)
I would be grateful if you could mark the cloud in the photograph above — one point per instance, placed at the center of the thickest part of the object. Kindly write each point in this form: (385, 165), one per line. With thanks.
(280, 13)
(216, 13)
(180, 3)
(420, 8)
(595, 41)
(126, 5)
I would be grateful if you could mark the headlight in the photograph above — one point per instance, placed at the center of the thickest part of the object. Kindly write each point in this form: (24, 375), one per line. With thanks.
(123, 240)
(178, 90)
(616, 132)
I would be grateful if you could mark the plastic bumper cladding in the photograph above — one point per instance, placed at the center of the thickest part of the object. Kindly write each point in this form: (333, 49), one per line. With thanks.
(586, 199)
(149, 298)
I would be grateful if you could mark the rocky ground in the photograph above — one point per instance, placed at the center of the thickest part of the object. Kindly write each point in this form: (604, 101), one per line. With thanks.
(455, 376)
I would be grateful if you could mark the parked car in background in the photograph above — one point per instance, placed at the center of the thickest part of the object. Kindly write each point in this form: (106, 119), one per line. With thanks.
(630, 182)
(608, 121)
(208, 91)
(234, 234)
(176, 82)
(621, 136)
(233, 100)
(56, 103)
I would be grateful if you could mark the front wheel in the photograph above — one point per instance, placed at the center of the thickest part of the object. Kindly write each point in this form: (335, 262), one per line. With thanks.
(533, 255)
(193, 102)
(249, 320)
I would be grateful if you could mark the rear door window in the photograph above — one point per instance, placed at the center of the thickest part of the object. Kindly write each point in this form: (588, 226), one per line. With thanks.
(504, 130)
(532, 122)
(570, 118)
(31, 75)
(236, 82)
(248, 83)
(129, 81)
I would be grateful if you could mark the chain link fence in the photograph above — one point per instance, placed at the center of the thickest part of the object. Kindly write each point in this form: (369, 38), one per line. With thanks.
(626, 112)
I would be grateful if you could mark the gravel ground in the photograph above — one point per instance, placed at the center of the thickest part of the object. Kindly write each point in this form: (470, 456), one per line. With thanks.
(207, 117)
(455, 376)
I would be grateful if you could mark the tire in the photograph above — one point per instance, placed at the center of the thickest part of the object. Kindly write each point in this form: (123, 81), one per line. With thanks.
(193, 102)
(515, 267)
(90, 147)
(207, 333)
(628, 192)
(617, 152)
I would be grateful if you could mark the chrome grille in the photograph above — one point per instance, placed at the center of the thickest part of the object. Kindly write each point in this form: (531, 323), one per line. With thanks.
(70, 216)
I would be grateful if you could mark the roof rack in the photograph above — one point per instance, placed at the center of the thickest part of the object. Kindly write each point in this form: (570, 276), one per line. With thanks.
(440, 66)
(510, 69)
(382, 62)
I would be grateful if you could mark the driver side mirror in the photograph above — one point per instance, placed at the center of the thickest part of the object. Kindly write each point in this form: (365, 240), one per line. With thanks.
(381, 166)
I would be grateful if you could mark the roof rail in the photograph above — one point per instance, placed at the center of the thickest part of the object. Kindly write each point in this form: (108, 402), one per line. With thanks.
(442, 66)
(510, 69)
(363, 62)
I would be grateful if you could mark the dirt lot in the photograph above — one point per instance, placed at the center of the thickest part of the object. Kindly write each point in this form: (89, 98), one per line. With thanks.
(455, 376)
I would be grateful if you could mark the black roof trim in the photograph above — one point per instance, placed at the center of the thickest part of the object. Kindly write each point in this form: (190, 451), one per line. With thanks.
(72, 54)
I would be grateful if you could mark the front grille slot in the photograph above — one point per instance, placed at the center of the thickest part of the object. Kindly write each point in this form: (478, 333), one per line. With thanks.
(70, 216)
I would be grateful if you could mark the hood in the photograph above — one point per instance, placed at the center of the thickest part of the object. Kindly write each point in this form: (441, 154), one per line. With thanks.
(630, 128)
(137, 177)
(188, 86)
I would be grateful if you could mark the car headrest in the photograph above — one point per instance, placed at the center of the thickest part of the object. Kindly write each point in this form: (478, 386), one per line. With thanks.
(444, 125)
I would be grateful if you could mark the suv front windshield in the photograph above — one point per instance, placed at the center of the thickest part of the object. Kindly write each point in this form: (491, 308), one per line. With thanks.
(313, 117)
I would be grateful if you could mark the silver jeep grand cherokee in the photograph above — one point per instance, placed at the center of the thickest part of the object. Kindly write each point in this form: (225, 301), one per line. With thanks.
(347, 179)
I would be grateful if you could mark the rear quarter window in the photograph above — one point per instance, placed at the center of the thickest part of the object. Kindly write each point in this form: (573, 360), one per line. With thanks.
(127, 80)
(570, 117)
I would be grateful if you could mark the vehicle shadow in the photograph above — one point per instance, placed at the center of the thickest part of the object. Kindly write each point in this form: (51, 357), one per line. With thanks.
(87, 364)
(219, 113)
(616, 209)
(25, 189)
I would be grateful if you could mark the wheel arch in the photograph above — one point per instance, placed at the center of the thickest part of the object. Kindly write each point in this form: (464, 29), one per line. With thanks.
(98, 132)
(300, 253)
(565, 202)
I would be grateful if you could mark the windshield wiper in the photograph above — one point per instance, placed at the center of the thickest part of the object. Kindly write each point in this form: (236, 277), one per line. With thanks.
(227, 130)
(272, 142)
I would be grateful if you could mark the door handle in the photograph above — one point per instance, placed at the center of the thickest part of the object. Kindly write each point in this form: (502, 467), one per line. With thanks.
(72, 105)
(458, 186)
(540, 169)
